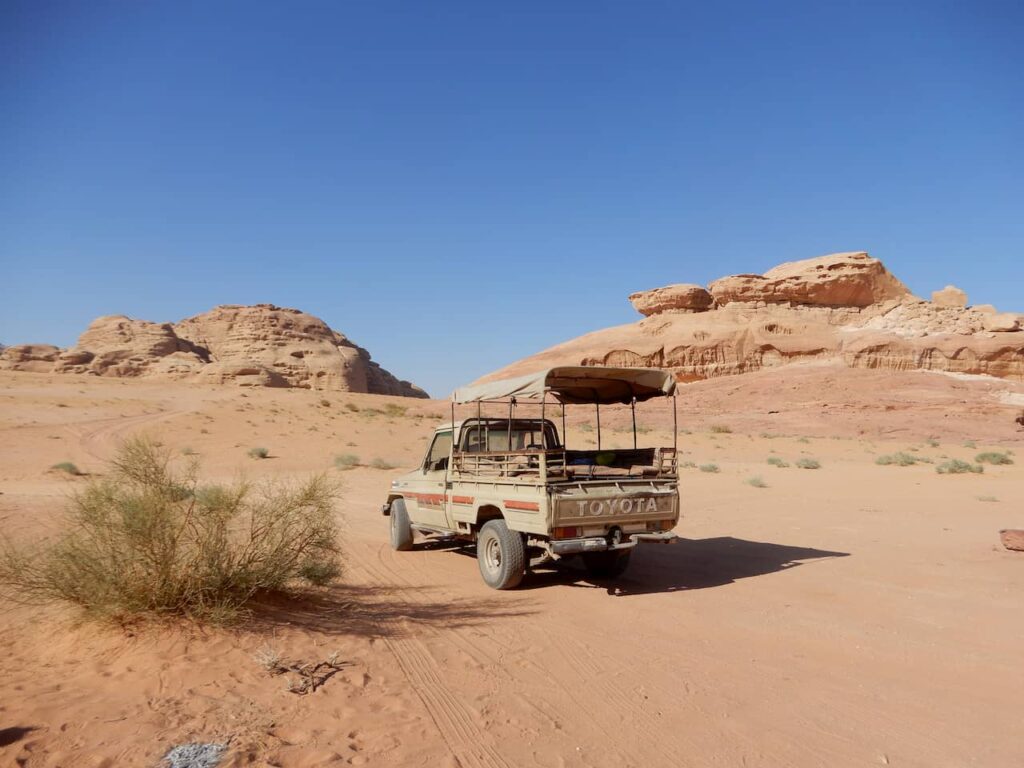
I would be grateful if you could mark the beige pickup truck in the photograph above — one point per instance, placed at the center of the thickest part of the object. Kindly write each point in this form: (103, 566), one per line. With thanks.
(508, 484)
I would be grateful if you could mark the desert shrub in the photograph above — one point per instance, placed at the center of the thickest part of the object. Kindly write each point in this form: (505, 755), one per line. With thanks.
(970, 444)
(987, 498)
(382, 464)
(149, 540)
(66, 467)
(392, 409)
(258, 453)
(721, 429)
(993, 457)
(776, 461)
(346, 461)
(900, 459)
(931, 441)
(325, 403)
(586, 426)
(688, 465)
(709, 468)
(371, 412)
(808, 463)
(352, 407)
(186, 451)
(757, 482)
(958, 467)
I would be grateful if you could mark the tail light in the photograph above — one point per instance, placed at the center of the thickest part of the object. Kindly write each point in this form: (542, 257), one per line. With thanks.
(568, 533)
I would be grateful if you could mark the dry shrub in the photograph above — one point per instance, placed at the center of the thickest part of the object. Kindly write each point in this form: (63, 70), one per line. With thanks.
(147, 539)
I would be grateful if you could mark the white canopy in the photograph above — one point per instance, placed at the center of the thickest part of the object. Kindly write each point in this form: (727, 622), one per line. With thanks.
(576, 384)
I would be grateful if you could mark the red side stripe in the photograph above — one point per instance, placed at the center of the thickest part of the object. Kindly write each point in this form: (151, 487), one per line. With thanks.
(529, 506)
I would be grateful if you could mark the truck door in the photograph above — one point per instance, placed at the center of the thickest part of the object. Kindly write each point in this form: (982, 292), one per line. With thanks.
(431, 495)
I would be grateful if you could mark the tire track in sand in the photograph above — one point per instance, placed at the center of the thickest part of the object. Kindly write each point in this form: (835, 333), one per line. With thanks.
(95, 437)
(468, 743)
(581, 671)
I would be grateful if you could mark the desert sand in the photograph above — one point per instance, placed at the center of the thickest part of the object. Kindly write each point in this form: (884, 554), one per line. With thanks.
(852, 615)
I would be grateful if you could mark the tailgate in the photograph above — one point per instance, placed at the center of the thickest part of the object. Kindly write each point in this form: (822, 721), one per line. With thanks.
(618, 503)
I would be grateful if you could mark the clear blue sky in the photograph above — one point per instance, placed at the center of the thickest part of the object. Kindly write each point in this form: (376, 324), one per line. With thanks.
(457, 185)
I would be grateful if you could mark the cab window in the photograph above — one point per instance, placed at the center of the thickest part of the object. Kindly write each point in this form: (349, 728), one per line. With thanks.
(437, 456)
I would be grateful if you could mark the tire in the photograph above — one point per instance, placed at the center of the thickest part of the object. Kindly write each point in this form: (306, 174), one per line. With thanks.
(401, 531)
(606, 565)
(501, 555)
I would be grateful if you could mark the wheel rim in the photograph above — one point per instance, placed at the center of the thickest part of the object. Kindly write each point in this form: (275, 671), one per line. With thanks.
(492, 555)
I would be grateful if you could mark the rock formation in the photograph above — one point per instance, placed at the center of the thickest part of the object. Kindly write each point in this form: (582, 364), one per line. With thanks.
(684, 297)
(261, 345)
(950, 296)
(845, 306)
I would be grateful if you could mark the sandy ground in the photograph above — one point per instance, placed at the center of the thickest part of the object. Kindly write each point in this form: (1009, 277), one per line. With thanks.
(852, 615)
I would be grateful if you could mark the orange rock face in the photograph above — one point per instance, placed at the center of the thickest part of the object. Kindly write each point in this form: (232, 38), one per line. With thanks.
(950, 296)
(683, 297)
(844, 307)
(261, 345)
(838, 280)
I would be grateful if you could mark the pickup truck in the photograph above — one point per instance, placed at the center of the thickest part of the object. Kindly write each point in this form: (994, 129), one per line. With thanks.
(509, 485)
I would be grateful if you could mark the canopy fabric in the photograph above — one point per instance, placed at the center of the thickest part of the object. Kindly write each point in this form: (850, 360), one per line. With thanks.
(575, 384)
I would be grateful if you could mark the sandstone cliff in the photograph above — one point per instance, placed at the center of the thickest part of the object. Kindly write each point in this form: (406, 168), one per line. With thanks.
(844, 306)
(261, 345)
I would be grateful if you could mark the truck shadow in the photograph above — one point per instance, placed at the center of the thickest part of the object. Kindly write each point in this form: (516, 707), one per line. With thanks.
(688, 564)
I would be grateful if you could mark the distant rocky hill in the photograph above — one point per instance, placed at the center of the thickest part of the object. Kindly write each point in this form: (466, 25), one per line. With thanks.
(261, 345)
(844, 306)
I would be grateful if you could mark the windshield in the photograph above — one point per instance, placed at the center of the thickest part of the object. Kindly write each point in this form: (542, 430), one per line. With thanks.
(493, 436)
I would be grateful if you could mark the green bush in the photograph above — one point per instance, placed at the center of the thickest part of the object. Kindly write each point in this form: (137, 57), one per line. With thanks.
(757, 482)
(775, 461)
(900, 459)
(382, 464)
(807, 463)
(258, 453)
(346, 461)
(709, 468)
(147, 540)
(993, 457)
(721, 429)
(67, 467)
(392, 409)
(957, 467)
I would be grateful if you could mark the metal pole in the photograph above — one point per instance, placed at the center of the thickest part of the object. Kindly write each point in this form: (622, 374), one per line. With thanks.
(511, 405)
(598, 405)
(543, 442)
(632, 406)
(675, 425)
(480, 446)
(565, 437)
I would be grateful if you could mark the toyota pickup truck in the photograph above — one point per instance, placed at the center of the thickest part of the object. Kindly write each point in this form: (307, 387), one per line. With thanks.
(507, 483)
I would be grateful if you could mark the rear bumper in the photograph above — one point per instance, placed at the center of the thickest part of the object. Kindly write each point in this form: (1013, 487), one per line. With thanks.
(601, 544)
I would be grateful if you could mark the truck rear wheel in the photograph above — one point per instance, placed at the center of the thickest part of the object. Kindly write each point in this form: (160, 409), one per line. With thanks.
(606, 565)
(401, 531)
(501, 555)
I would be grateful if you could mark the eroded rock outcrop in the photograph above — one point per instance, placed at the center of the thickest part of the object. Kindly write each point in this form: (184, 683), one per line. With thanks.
(844, 306)
(682, 297)
(261, 345)
(950, 296)
(839, 280)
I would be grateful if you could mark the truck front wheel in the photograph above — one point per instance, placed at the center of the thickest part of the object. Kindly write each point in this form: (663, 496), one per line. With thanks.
(501, 555)
(606, 565)
(401, 531)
